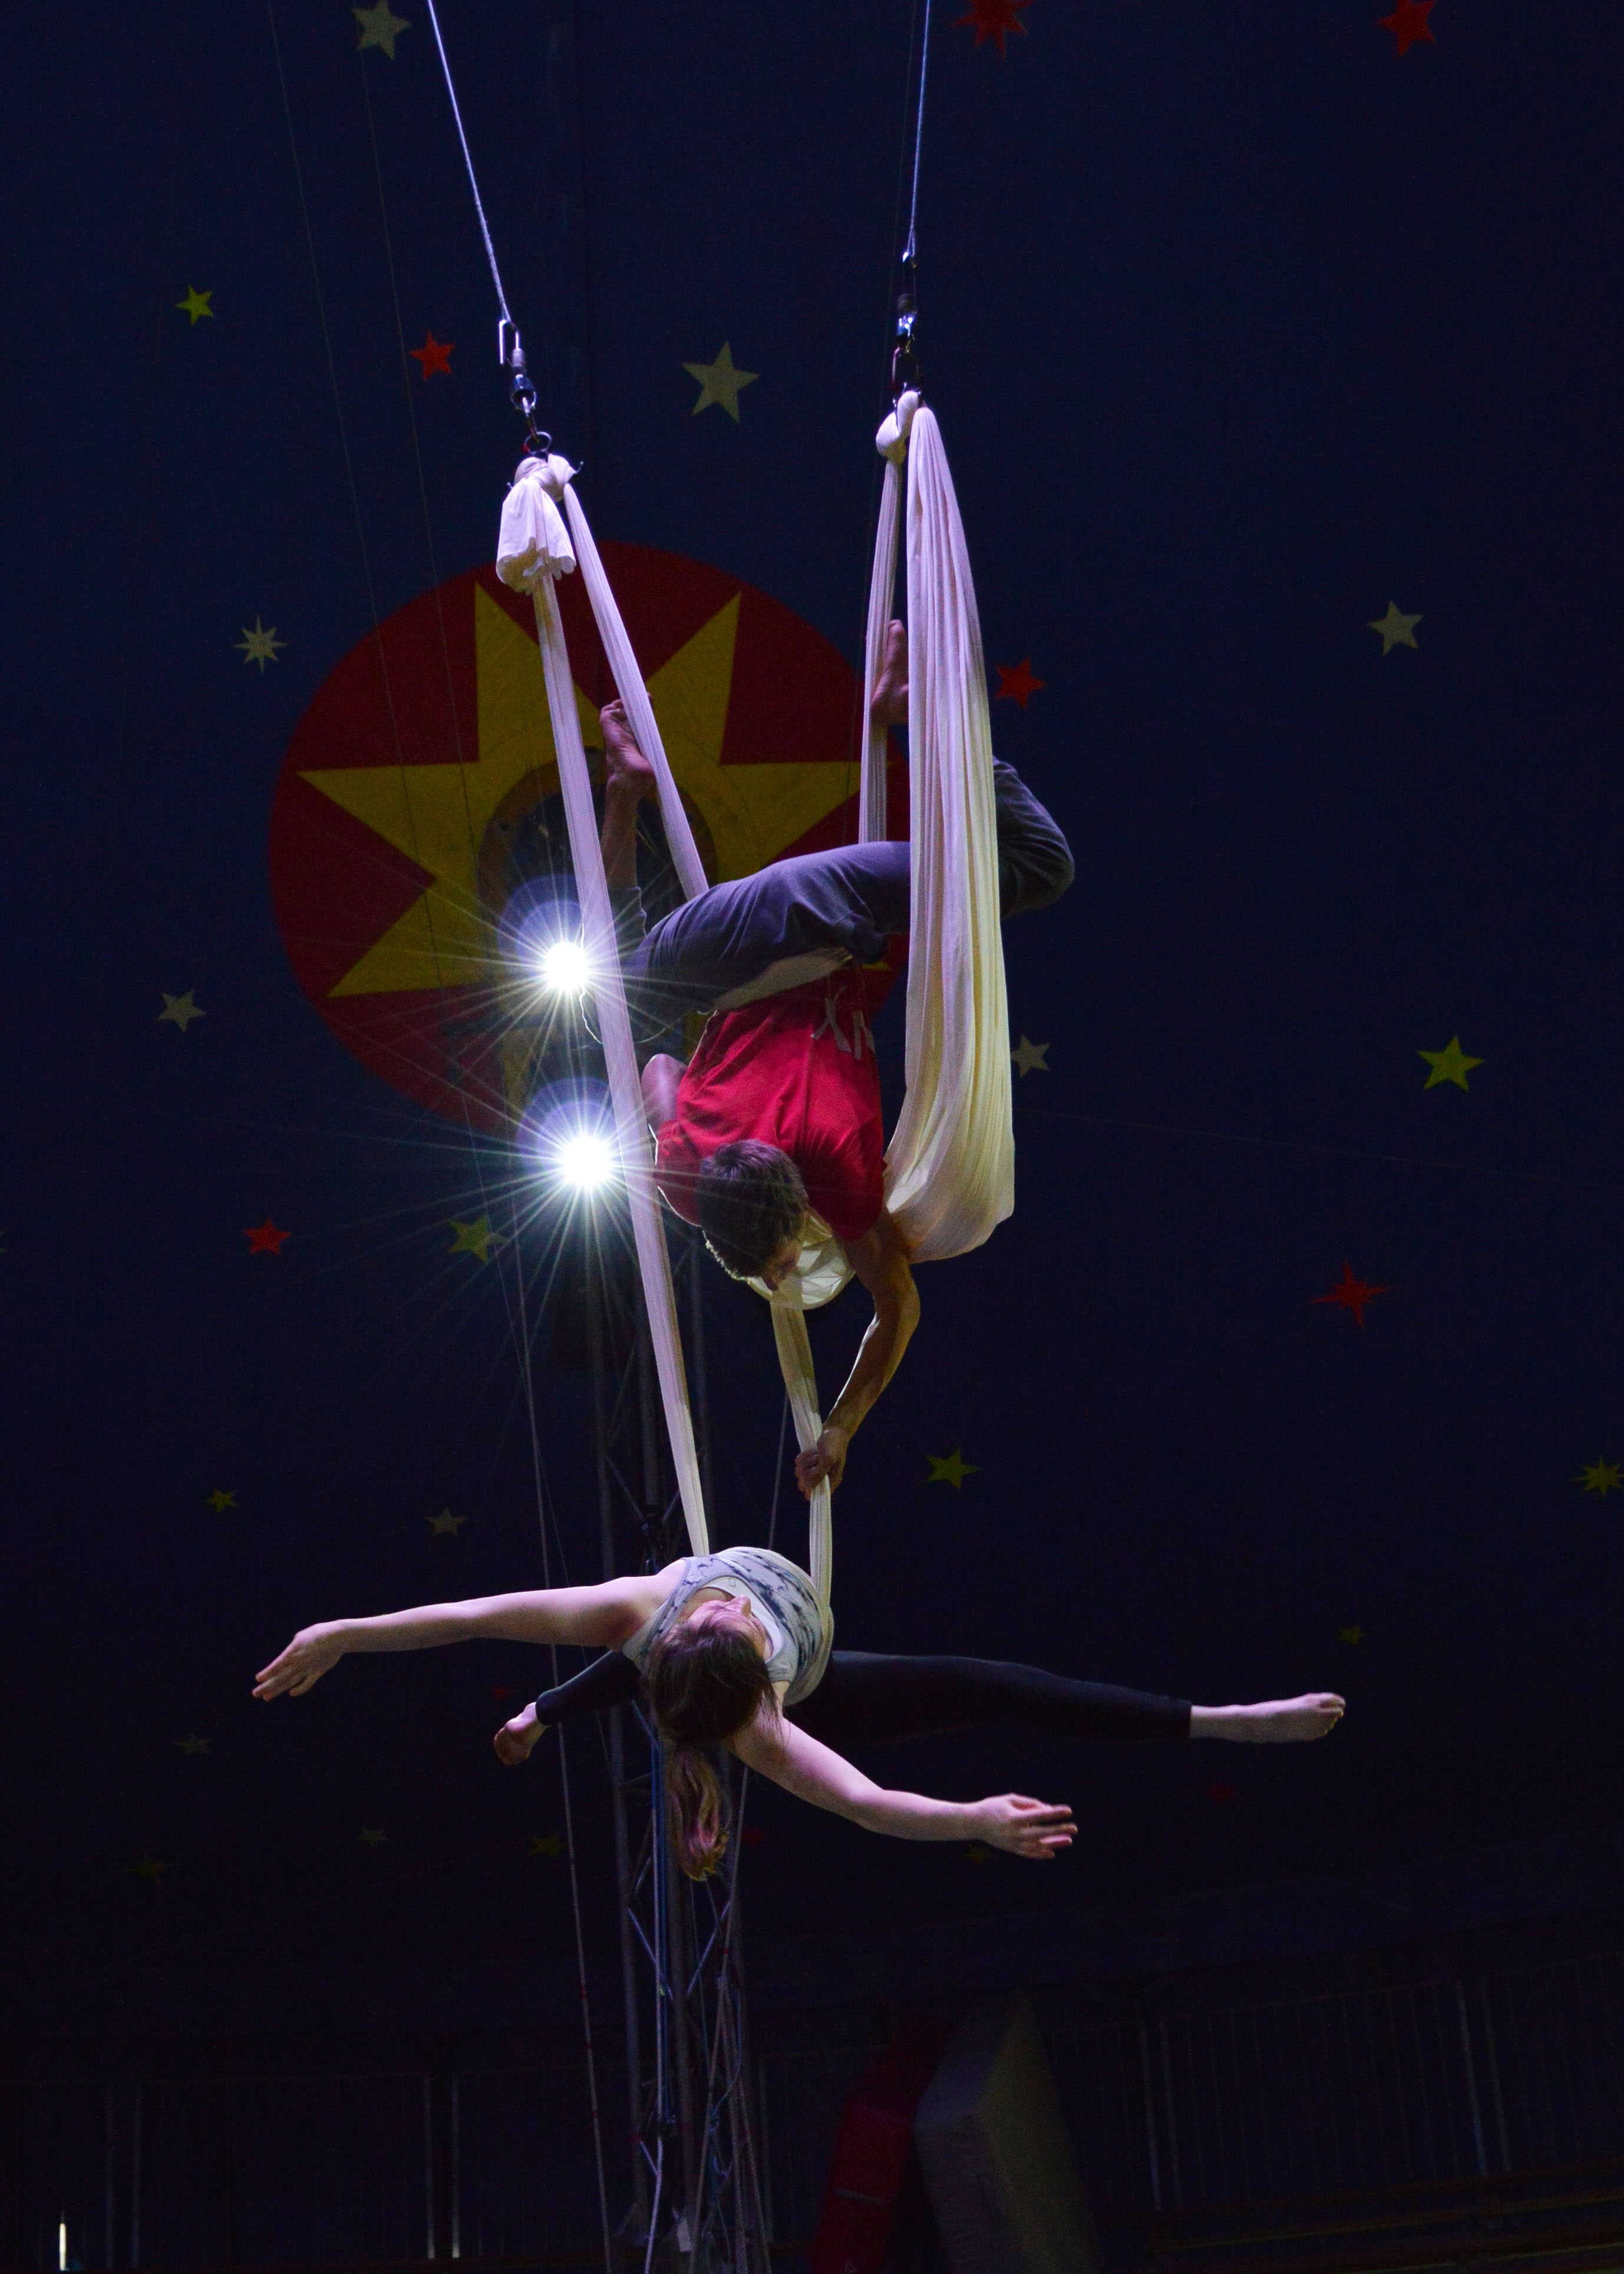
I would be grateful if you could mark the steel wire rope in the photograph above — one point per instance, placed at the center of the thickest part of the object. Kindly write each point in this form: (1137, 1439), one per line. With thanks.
(858, 730)
(400, 761)
(569, 1823)
(468, 161)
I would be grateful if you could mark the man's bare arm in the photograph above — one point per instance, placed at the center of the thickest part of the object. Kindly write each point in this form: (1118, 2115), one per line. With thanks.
(660, 1079)
(880, 1261)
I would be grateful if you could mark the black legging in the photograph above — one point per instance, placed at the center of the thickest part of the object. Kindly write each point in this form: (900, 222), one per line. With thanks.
(872, 1699)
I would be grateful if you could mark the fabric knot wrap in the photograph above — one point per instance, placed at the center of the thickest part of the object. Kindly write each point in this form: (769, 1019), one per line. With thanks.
(891, 441)
(534, 543)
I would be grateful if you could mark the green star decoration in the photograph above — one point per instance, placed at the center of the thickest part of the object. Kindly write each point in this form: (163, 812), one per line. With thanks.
(445, 1522)
(192, 1746)
(258, 645)
(1350, 1634)
(371, 1835)
(179, 1010)
(547, 1844)
(195, 305)
(379, 28)
(720, 382)
(1031, 1058)
(476, 1239)
(1601, 1477)
(951, 1470)
(147, 1866)
(220, 1500)
(1396, 629)
(1452, 1064)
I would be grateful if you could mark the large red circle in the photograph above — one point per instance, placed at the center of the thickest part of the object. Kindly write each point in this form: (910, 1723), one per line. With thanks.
(347, 889)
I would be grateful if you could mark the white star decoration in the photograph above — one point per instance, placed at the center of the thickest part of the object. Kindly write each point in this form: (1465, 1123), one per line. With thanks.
(258, 645)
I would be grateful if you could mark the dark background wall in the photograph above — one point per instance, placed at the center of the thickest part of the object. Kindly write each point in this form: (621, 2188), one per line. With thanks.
(1241, 325)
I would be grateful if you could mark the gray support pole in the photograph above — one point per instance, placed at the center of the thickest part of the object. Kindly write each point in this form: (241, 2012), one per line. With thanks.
(1150, 2118)
(135, 2181)
(1471, 2080)
(428, 2166)
(108, 2260)
(617, 1756)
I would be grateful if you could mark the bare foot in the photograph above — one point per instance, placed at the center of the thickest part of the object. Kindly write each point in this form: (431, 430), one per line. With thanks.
(625, 767)
(890, 706)
(1278, 1721)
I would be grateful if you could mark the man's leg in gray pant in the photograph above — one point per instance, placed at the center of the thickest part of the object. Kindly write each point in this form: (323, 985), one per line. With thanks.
(849, 900)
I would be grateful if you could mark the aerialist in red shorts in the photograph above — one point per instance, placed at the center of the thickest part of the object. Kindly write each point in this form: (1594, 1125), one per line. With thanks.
(770, 1137)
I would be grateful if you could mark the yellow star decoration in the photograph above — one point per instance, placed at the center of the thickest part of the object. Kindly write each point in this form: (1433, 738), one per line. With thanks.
(1350, 1634)
(147, 1866)
(476, 1239)
(220, 1500)
(379, 28)
(192, 1746)
(445, 1523)
(951, 1470)
(546, 1843)
(371, 1835)
(1031, 1058)
(1396, 629)
(1600, 1477)
(1452, 1064)
(438, 814)
(179, 1010)
(720, 382)
(195, 305)
(978, 1853)
(259, 646)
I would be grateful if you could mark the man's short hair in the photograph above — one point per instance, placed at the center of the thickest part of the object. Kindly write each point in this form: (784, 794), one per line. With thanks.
(751, 1200)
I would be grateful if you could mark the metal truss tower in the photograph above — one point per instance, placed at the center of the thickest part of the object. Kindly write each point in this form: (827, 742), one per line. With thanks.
(700, 2197)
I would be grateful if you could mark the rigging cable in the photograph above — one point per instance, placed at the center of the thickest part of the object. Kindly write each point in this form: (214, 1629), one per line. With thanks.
(523, 395)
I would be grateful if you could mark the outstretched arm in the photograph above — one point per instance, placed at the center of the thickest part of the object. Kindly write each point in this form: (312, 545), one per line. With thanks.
(814, 1772)
(606, 1614)
(880, 1260)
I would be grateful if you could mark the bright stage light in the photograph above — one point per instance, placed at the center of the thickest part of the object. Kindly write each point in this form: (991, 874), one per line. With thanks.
(563, 967)
(584, 1160)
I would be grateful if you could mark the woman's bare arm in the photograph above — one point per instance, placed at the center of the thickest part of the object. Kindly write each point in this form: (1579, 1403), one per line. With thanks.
(606, 1614)
(816, 1773)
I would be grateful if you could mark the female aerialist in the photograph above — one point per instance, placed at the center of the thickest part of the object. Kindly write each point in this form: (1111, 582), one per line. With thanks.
(735, 1650)
(771, 1133)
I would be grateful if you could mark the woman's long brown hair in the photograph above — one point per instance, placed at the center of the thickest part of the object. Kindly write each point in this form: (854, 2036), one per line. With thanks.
(704, 1684)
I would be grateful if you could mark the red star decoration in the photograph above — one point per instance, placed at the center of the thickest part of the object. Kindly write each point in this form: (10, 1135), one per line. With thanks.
(435, 355)
(264, 1239)
(996, 19)
(1221, 1792)
(752, 1836)
(501, 1692)
(1016, 683)
(1407, 23)
(1353, 1294)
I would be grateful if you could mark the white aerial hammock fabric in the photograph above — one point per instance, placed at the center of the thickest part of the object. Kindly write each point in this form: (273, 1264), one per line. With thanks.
(534, 549)
(949, 1167)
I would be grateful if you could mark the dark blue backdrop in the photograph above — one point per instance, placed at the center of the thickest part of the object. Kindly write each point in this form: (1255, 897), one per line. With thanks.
(1240, 324)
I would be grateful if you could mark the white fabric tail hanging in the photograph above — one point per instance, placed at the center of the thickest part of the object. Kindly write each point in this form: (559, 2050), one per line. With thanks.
(949, 1168)
(533, 551)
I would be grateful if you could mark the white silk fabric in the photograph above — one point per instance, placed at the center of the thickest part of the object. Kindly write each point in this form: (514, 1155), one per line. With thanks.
(949, 1168)
(532, 554)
